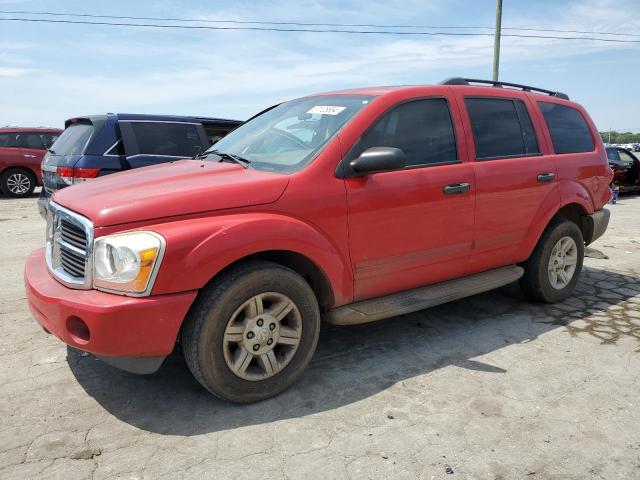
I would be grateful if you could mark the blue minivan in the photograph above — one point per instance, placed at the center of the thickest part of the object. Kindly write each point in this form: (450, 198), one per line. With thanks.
(97, 145)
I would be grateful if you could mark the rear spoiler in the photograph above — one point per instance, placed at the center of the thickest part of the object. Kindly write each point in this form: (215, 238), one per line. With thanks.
(84, 120)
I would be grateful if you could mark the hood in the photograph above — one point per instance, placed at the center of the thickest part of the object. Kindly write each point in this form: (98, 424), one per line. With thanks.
(178, 188)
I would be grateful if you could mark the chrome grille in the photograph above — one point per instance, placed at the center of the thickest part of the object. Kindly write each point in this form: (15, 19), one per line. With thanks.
(72, 234)
(69, 245)
(73, 264)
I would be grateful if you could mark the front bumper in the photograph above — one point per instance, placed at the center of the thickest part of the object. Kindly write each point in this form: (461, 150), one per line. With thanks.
(119, 329)
(595, 225)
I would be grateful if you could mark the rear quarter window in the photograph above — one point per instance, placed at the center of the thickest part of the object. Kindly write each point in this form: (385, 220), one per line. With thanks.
(167, 139)
(568, 129)
(501, 127)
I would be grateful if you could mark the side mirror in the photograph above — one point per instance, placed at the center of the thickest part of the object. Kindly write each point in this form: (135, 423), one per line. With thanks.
(379, 159)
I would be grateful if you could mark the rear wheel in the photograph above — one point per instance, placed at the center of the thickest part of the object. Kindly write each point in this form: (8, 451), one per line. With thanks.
(17, 182)
(252, 332)
(552, 271)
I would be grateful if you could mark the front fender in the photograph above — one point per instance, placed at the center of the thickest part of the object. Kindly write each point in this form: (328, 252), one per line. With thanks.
(198, 249)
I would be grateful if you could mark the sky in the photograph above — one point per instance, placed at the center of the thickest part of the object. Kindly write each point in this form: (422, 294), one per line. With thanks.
(51, 72)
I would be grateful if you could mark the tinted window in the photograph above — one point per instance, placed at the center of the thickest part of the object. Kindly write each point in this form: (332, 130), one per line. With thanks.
(33, 141)
(501, 128)
(8, 140)
(73, 140)
(117, 149)
(422, 129)
(612, 154)
(170, 139)
(49, 138)
(569, 132)
(215, 134)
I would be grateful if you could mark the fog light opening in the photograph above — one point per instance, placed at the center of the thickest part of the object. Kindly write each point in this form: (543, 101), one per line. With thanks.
(78, 329)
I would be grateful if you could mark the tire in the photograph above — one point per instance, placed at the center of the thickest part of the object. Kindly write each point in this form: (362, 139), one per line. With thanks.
(216, 333)
(17, 182)
(537, 281)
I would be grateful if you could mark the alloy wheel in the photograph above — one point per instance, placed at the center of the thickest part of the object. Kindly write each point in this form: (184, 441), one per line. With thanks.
(562, 262)
(262, 336)
(18, 183)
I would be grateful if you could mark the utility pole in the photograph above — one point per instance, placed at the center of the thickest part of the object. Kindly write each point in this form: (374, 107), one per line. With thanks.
(496, 41)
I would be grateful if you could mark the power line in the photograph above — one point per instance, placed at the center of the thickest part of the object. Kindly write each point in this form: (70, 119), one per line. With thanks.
(271, 29)
(307, 24)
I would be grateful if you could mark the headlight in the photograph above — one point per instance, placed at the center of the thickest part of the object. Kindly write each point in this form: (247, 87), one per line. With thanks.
(127, 263)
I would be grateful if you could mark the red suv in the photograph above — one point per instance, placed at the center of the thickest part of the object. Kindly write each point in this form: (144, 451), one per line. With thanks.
(21, 152)
(348, 206)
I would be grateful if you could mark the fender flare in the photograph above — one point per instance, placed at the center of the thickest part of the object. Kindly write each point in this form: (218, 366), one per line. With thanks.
(199, 249)
(570, 193)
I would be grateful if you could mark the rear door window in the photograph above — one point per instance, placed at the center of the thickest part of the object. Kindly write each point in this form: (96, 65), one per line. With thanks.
(165, 139)
(73, 140)
(502, 128)
(33, 141)
(422, 129)
(568, 129)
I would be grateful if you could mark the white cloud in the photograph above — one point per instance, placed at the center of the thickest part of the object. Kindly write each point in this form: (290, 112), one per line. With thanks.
(237, 73)
(14, 71)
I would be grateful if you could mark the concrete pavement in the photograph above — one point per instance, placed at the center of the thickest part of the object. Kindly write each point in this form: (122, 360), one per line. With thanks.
(487, 387)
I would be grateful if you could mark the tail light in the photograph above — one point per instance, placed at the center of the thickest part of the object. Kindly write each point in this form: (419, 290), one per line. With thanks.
(72, 175)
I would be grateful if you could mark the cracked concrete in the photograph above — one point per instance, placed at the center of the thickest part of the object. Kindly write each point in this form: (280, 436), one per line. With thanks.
(491, 386)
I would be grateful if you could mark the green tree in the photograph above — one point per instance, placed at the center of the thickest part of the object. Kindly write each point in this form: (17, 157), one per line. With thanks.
(620, 137)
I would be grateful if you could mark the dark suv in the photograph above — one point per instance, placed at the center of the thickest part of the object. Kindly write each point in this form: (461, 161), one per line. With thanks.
(98, 145)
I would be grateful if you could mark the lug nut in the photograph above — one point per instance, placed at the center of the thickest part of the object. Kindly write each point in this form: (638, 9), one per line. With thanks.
(260, 322)
(270, 341)
(250, 335)
(272, 326)
(256, 347)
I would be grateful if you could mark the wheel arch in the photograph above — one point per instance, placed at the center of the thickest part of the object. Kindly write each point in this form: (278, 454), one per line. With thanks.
(198, 251)
(572, 211)
(299, 263)
(19, 167)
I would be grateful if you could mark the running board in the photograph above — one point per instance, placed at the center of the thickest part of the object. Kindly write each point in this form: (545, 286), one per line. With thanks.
(421, 298)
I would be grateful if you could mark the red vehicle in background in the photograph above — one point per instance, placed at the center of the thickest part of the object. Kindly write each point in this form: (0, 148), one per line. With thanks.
(21, 153)
(347, 207)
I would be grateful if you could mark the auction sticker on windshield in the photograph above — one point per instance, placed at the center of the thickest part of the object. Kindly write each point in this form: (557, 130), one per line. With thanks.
(326, 110)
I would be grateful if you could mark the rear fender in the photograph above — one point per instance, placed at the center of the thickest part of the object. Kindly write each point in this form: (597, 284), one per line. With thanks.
(572, 191)
(198, 249)
(567, 192)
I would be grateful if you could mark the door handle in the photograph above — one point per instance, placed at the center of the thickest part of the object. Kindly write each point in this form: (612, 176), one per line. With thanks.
(456, 188)
(26, 155)
(546, 177)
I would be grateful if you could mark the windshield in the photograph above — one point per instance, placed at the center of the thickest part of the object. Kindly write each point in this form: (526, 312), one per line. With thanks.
(73, 140)
(287, 137)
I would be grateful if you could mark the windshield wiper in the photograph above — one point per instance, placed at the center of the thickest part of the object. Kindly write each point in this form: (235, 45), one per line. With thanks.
(51, 151)
(230, 156)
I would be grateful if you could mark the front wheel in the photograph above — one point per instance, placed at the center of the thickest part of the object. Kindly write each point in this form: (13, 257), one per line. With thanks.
(252, 332)
(552, 270)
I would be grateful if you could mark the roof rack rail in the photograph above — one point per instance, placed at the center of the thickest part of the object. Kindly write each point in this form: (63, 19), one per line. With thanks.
(525, 88)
